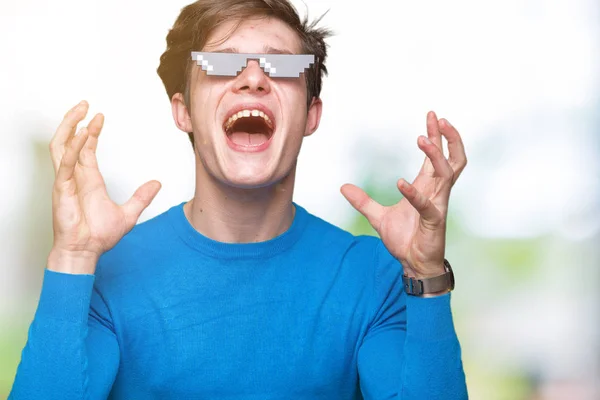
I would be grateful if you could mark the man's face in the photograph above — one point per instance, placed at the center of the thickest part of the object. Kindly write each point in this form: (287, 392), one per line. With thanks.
(248, 129)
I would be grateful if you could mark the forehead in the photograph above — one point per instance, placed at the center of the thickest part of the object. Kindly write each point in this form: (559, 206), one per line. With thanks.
(254, 36)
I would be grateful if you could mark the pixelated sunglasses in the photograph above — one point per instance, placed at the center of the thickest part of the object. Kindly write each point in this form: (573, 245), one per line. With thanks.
(275, 65)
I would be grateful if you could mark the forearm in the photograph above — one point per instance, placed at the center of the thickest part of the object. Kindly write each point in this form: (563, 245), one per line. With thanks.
(432, 366)
(413, 353)
(58, 359)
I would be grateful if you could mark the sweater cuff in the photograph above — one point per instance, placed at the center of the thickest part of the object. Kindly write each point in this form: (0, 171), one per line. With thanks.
(65, 297)
(430, 318)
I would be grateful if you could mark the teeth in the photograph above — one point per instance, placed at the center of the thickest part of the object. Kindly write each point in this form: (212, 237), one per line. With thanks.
(245, 114)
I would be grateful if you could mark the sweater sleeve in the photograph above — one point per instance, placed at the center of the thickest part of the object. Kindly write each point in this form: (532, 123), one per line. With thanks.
(411, 350)
(72, 350)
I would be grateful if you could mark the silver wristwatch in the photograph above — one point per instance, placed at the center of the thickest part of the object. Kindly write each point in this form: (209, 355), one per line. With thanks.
(441, 283)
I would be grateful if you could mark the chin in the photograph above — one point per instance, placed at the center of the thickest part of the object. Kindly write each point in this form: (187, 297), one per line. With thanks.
(250, 177)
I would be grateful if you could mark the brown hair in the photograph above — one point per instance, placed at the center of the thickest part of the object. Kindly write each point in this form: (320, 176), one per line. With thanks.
(197, 20)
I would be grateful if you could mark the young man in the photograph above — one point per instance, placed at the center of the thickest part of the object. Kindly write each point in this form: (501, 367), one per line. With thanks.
(240, 293)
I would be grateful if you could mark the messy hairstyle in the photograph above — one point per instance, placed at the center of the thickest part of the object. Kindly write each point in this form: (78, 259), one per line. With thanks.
(198, 20)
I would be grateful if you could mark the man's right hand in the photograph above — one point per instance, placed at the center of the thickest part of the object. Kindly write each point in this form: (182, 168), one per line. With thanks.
(86, 221)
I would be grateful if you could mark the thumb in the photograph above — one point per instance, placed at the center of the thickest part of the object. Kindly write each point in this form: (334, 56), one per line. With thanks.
(364, 204)
(141, 199)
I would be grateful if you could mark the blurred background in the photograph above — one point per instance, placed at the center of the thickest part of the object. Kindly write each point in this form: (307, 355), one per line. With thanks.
(518, 78)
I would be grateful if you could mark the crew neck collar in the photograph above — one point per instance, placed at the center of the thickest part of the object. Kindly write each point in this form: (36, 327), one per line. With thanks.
(221, 250)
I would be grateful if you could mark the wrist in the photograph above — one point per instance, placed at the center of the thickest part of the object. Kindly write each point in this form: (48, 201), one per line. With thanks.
(424, 272)
(72, 262)
(436, 294)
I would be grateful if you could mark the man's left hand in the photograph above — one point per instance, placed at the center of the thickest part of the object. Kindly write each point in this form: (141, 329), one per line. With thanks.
(414, 229)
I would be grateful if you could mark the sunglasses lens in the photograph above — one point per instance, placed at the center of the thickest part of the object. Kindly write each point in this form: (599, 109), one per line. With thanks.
(276, 65)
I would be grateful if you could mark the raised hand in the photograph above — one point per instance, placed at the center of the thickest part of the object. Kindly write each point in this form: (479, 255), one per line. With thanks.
(86, 221)
(414, 229)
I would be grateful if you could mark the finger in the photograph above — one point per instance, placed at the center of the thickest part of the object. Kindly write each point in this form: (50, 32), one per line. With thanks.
(436, 156)
(87, 157)
(140, 200)
(69, 160)
(94, 127)
(65, 132)
(456, 148)
(364, 204)
(431, 215)
(435, 137)
(433, 131)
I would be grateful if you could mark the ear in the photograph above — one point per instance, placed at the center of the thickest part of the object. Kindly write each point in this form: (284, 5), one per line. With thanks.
(181, 114)
(314, 116)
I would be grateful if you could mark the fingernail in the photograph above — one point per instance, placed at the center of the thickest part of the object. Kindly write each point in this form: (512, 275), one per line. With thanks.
(447, 122)
(426, 139)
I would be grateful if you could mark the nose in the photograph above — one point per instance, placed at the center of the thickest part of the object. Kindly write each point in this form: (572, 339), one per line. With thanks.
(252, 80)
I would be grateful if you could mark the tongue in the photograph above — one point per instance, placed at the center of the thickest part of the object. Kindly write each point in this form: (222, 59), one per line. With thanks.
(248, 139)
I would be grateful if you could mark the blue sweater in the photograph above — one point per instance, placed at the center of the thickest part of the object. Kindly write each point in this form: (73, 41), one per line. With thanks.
(315, 313)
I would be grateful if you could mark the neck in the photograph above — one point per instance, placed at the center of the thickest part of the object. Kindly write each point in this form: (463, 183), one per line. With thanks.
(233, 215)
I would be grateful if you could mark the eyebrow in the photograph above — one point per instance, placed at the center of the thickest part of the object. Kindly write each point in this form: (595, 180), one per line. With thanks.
(266, 50)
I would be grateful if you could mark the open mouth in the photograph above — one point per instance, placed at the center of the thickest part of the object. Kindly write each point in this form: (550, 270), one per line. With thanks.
(249, 127)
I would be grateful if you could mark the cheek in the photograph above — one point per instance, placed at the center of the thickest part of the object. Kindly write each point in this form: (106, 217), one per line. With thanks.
(294, 96)
(204, 104)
